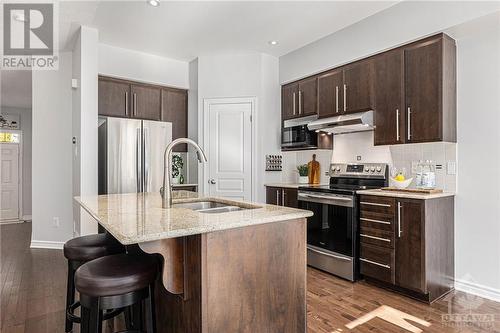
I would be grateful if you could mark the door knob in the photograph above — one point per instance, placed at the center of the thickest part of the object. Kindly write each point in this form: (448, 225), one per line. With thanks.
(212, 181)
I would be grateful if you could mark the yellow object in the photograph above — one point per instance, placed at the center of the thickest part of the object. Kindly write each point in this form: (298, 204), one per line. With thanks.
(314, 170)
(400, 178)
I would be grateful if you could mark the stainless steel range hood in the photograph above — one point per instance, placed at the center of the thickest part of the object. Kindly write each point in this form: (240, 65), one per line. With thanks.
(349, 123)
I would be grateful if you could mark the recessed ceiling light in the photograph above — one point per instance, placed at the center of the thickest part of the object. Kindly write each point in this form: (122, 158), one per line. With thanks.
(273, 42)
(154, 3)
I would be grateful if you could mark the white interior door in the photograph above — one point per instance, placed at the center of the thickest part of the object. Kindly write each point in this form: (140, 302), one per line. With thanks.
(9, 182)
(230, 149)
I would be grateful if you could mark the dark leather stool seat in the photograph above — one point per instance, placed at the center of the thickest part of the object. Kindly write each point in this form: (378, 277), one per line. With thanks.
(78, 251)
(115, 275)
(120, 281)
(86, 248)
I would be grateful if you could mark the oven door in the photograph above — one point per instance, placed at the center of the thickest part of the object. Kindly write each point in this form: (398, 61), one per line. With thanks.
(331, 227)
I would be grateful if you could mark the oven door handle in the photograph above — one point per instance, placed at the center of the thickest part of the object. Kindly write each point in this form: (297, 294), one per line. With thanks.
(323, 197)
(328, 254)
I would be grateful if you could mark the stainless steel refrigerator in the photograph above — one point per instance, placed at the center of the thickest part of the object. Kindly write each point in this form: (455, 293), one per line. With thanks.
(131, 154)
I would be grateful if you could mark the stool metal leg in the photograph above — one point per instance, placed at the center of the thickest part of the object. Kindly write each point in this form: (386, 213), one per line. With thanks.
(150, 311)
(70, 294)
(92, 318)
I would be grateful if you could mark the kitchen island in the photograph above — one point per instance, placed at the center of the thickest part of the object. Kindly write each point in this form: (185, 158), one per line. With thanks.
(228, 266)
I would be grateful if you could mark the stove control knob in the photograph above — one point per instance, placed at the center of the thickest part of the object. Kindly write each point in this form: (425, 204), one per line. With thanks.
(367, 170)
(338, 169)
(379, 169)
(372, 169)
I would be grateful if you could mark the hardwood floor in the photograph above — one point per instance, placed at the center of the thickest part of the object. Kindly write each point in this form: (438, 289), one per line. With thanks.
(33, 287)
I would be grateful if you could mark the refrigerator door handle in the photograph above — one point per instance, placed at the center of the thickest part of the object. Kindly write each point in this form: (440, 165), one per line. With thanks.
(138, 160)
(146, 160)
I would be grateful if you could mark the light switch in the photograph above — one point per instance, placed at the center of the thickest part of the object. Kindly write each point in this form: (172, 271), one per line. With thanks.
(451, 168)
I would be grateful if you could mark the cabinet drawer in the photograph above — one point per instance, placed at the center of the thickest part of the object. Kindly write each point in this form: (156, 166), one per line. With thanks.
(377, 262)
(377, 221)
(376, 237)
(383, 205)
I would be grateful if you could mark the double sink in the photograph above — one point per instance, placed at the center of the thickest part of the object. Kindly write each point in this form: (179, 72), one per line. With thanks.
(211, 207)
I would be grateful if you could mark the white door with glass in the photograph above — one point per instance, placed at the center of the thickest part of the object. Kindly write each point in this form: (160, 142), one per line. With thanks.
(9, 182)
(229, 147)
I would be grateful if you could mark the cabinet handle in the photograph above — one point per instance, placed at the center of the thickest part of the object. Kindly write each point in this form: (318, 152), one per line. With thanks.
(345, 97)
(397, 125)
(376, 238)
(336, 99)
(283, 197)
(126, 103)
(300, 102)
(375, 263)
(409, 123)
(374, 221)
(399, 219)
(294, 104)
(374, 204)
(277, 197)
(135, 104)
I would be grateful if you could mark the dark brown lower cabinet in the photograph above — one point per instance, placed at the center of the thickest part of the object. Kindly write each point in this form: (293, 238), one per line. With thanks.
(282, 196)
(408, 244)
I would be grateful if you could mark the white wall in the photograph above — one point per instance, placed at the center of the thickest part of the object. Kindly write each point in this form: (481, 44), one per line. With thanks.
(246, 75)
(139, 66)
(25, 122)
(192, 160)
(85, 125)
(52, 161)
(394, 26)
(477, 224)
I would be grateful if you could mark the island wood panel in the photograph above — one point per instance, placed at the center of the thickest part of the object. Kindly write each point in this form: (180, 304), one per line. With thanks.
(250, 279)
(255, 279)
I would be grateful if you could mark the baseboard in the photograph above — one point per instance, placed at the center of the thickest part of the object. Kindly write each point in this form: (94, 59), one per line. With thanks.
(46, 245)
(478, 290)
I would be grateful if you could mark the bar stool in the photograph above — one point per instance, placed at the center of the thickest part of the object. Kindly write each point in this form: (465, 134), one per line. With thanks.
(117, 281)
(78, 251)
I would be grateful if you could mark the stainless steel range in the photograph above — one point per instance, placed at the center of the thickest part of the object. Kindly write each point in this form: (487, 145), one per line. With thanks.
(332, 233)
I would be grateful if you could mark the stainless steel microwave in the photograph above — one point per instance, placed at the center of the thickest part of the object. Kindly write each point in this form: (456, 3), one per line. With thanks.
(298, 137)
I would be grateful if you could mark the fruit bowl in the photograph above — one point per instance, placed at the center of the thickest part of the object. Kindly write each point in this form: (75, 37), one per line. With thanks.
(400, 184)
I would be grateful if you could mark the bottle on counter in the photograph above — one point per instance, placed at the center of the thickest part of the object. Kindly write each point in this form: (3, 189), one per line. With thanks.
(428, 175)
(418, 176)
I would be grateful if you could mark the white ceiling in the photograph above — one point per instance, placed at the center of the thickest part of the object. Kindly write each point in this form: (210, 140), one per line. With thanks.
(185, 30)
(15, 89)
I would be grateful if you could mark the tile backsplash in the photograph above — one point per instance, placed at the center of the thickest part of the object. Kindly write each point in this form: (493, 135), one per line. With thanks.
(442, 154)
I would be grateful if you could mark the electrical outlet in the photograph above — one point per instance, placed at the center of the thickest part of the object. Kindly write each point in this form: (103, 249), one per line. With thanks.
(55, 222)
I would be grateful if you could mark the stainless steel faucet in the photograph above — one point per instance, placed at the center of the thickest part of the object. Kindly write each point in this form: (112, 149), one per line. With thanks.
(166, 190)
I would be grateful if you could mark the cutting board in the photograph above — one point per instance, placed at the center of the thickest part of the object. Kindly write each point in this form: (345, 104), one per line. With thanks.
(413, 190)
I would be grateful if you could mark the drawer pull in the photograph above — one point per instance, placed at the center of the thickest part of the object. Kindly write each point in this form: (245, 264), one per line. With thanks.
(377, 238)
(375, 204)
(375, 221)
(375, 263)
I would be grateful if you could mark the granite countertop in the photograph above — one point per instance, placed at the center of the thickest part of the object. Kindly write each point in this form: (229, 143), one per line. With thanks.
(408, 195)
(138, 217)
(291, 185)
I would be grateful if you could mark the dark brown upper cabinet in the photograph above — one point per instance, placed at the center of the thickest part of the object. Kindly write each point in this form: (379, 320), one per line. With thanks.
(388, 83)
(289, 101)
(308, 97)
(330, 93)
(146, 101)
(174, 110)
(430, 90)
(358, 88)
(114, 98)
